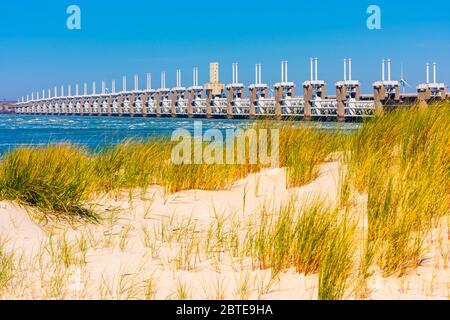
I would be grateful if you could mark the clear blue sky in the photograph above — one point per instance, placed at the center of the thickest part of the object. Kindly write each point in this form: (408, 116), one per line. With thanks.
(118, 38)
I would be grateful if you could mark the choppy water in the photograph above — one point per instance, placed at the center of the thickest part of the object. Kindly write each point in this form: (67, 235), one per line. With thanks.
(93, 132)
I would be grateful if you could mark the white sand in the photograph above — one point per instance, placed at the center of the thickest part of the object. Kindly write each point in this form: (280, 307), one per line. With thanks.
(118, 262)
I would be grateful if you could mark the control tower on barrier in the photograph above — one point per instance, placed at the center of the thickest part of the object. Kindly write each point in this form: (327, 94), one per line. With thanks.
(216, 102)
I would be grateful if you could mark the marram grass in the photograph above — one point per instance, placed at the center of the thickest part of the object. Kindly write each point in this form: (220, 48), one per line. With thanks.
(55, 178)
(309, 238)
(63, 178)
(402, 161)
(7, 267)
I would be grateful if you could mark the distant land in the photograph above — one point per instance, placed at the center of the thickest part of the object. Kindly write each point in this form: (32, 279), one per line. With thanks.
(7, 106)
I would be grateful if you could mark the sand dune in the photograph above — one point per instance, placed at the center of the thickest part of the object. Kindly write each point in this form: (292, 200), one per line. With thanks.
(128, 256)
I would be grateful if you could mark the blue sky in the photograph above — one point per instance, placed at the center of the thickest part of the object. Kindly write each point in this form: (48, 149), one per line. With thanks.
(118, 38)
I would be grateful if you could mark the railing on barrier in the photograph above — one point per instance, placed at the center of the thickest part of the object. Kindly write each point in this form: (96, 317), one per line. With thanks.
(241, 107)
(219, 106)
(199, 107)
(293, 107)
(355, 108)
(265, 107)
(324, 108)
(166, 106)
(181, 106)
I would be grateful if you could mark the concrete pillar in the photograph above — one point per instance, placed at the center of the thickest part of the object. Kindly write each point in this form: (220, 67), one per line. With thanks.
(74, 105)
(358, 93)
(82, 106)
(131, 99)
(91, 103)
(120, 99)
(209, 97)
(83, 111)
(68, 101)
(252, 99)
(341, 97)
(379, 95)
(397, 93)
(424, 96)
(56, 110)
(101, 99)
(307, 96)
(64, 106)
(191, 98)
(230, 98)
(109, 101)
(173, 100)
(154, 100)
(158, 104)
(278, 97)
(144, 98)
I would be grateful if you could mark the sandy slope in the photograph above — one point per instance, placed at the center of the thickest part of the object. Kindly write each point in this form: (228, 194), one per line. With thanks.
(119, 260)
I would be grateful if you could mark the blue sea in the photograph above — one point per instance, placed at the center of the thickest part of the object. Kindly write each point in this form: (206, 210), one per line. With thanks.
(95, 132)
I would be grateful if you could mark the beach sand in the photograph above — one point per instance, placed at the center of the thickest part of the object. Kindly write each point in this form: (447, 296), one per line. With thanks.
(151, 246)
